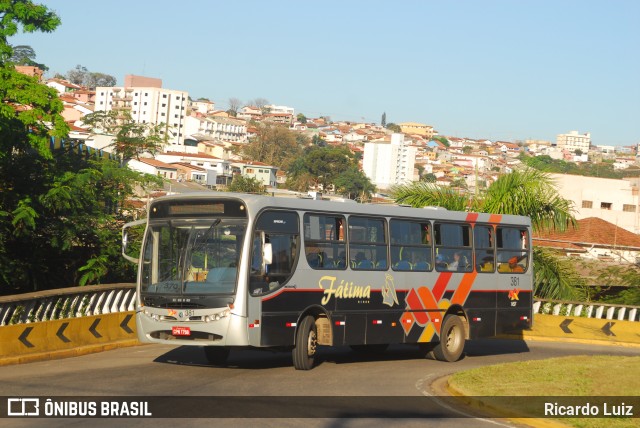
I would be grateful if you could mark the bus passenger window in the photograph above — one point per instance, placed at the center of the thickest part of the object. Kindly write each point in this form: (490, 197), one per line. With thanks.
(367, 243)
(512, 249)
(410, 245)
(453, 247)
(484, 248)
(324, 244)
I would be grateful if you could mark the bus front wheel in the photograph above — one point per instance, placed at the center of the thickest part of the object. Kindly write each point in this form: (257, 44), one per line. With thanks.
(451, 339)
(304, 353)
(216, 355)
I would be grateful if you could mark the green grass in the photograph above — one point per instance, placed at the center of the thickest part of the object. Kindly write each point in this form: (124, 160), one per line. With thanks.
(582, 376)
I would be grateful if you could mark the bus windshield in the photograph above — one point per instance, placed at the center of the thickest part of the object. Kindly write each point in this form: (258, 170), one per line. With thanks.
(183, 257)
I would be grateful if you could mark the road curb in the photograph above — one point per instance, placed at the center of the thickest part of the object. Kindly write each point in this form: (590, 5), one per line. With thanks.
(500, 412)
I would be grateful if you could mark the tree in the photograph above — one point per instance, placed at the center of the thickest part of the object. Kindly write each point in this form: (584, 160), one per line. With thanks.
(320, 166)
(234, 106)
(429, 178)
(60, 216)
(245, 184)
(131, 139)
(274, 145)
(354, 184)
(383, 121)
(83, 77)
(25, 55)
(393, 127)
(261, 103)
(25, 15)
(301, 118)
(317, 140)
(525, 192)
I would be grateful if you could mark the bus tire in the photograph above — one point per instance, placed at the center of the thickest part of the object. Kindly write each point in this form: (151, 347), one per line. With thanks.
(216, 355)
(304, 352)
(452, 339)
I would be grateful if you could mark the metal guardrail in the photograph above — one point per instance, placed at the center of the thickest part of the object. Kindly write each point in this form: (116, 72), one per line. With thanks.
(67, 303)
(587, 310)
(111, 298)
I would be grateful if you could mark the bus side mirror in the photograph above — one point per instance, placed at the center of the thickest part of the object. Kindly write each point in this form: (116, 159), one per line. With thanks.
(267, 254)
(131, 240)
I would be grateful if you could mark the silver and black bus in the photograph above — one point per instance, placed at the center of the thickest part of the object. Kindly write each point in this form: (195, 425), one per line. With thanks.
(225, 271)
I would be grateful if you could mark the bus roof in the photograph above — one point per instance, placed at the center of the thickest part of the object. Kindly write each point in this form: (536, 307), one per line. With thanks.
(256, 203)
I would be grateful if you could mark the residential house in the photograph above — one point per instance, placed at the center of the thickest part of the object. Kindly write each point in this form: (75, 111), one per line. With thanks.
(262, 172)
(417, 128)
(280, 118)
(189, 172)
(613, 200)
(593, 238)
(63, 86)
(154, 167)
(250, 113)
(30, 70)
(218, 170)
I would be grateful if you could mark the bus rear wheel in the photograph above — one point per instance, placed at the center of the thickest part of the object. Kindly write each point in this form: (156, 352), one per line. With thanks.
(451, 339)
(216, 355)
(304, 352)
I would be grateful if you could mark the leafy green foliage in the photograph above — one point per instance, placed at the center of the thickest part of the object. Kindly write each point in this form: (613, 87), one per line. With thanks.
(131, 139)
(25, 15)
(319, 166)
(81, 76)
(274, 145)
(244, 184)
(589, 169)
(60, 208)
(354, 184)
(555, 277)
(25, 55)
(393, 127)
(430, 194)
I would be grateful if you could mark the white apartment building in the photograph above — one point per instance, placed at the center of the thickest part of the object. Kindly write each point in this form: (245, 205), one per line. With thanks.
(152, 105)
(574, 141)
(612, 200)
(387, 164)
(217, 127)
(273, 109)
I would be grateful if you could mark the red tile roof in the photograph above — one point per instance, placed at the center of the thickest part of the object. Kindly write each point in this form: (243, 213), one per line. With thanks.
(592, 231)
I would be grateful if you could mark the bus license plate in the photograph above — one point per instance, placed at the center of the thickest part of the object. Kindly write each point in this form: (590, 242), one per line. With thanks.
(181, 331)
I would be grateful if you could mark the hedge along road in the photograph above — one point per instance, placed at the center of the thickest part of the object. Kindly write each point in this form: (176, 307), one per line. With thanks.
(152, 370)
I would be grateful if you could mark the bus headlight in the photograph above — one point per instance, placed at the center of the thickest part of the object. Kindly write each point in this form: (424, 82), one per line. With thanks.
(218, 316)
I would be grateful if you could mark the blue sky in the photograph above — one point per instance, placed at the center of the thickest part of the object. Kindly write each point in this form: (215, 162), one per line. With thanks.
(498, 69)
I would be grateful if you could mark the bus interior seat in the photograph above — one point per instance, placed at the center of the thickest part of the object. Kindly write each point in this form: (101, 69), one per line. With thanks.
(422, 265)
(402, 265)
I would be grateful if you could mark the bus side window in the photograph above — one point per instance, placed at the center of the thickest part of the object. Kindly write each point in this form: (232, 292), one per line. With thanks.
(324, 244)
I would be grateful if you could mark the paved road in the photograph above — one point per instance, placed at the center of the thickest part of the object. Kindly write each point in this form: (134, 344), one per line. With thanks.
(153, 370)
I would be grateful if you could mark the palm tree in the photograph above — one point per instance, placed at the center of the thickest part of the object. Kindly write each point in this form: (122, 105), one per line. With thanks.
(527, 192)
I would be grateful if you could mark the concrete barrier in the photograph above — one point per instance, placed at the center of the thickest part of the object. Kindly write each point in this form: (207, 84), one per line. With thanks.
(66, 337)
(555, 327)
